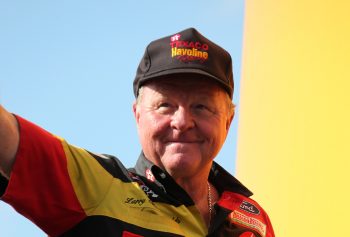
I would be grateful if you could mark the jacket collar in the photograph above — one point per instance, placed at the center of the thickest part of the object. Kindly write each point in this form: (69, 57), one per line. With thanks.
(219, 177)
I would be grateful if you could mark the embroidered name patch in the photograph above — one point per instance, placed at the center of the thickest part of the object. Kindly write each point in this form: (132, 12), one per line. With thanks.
(248, 221)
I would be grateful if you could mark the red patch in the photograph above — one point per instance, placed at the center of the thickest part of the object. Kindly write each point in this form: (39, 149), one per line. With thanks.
(129, 234)
(247, 234)
(247, 221)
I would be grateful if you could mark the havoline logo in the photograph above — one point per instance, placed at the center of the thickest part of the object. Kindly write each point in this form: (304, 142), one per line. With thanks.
(187, 51)
(247, 206)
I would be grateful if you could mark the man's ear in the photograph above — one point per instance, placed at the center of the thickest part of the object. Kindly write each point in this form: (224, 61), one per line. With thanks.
(229, 121)
(136, 112)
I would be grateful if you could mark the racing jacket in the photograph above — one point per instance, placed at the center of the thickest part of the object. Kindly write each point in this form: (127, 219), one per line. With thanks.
(68, 191)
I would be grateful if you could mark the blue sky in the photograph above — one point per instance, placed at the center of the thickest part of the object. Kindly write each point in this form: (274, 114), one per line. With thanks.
(69, 65)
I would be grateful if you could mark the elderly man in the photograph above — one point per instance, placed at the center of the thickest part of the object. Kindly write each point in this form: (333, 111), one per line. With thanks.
(183, 111)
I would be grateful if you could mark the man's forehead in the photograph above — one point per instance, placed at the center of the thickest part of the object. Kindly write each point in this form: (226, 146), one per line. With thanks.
(181, 83)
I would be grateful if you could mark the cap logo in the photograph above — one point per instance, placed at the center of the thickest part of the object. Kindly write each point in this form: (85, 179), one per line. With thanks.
(175, 37)
(187, 51)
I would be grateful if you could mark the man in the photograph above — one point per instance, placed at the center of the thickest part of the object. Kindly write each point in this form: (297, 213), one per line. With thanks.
(183, 110)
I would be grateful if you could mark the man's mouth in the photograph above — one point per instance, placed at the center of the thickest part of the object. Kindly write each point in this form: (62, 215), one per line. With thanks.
(184, 141)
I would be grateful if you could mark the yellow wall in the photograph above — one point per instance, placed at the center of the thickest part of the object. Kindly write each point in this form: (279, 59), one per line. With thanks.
(294, 132)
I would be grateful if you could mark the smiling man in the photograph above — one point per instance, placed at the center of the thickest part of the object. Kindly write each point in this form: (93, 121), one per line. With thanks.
(183, 111)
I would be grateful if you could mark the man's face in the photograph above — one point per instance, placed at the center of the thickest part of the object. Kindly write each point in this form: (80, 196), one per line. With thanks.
(182, 124)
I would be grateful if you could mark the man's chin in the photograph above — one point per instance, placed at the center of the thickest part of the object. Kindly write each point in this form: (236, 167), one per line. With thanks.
(180, 163)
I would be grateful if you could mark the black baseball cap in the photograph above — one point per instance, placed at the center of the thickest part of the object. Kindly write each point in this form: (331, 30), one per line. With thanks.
(187, 52)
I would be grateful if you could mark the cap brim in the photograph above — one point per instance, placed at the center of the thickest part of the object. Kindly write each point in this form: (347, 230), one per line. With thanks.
(175, 71)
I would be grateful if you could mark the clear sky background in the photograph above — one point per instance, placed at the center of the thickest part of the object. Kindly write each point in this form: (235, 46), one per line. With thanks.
(69, 65)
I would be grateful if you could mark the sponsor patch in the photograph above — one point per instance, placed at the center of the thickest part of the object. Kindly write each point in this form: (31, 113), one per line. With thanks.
(148, 191)
(187, 51)
(248, 207)
(143, 186)
(249, 222)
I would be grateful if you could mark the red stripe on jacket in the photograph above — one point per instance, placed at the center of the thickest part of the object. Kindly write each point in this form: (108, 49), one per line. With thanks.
(40, 187)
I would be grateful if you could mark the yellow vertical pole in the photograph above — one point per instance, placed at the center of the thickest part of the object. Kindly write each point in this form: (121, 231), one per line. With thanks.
(294, 124)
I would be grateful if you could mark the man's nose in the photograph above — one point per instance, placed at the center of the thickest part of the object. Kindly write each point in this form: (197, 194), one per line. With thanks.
(182, 119)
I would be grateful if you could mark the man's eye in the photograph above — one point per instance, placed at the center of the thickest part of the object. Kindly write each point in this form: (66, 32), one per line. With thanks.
(200, 106)
(164, 105)
(202, 110)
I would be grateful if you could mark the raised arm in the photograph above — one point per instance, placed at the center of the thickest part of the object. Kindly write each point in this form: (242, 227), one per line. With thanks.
(9, 140)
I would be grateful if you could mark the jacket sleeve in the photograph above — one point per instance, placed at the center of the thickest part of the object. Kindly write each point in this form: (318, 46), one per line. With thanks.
(43, 184)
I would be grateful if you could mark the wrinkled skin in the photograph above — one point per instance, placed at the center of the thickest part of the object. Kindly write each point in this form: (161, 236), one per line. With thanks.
(182, 124)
